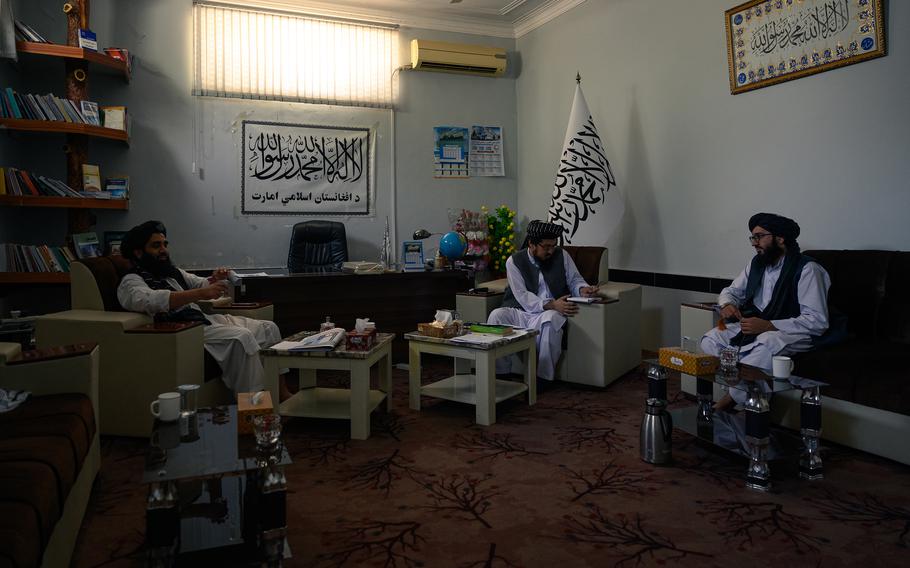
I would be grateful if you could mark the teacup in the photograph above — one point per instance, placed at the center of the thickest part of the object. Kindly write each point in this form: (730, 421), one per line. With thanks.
(781, 367)
(167, 406)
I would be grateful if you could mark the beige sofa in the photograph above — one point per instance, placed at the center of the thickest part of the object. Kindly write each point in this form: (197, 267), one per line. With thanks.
(140, 358)
(603, 339)
(49, 452)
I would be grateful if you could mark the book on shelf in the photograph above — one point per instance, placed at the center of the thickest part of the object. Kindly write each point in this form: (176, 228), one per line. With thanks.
(88, 39)
(14, 181)
(86, 245)
(25, 32)
(118, 187)
(115, 117)
(44, 107)
(91, 178)
(90, 112)
(112, 241)
(34, 258)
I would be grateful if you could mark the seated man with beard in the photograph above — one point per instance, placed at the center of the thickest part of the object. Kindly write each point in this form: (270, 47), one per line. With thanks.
(158, 288)
(541, 278)
(778, 305)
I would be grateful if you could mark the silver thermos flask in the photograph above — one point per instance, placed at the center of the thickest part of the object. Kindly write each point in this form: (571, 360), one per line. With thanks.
(656, 433)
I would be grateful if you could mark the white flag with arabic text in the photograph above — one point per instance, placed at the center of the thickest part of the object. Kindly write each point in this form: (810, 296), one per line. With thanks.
(585, 201)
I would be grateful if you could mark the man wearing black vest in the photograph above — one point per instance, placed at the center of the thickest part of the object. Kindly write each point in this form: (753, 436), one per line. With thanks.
(541, 279)
(158, 288)
(778, 303)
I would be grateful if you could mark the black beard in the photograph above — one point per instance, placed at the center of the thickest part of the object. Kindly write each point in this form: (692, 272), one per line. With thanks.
(772, 254)
(157, 267)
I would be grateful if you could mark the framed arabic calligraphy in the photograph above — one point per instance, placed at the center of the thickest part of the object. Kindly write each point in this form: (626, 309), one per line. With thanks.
(301, 169)
(771, 41)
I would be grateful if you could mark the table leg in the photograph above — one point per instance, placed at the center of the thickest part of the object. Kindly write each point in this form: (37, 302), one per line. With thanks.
(162, 524)
(413, 376)
(271, 368)
(360, 401)
(265, 504)
(531, 373)
(810, 422)
(385, 379)
(485, 388)
(758, 438)
(704, 390)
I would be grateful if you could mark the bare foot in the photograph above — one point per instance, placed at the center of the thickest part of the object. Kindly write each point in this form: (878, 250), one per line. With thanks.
(724, 403)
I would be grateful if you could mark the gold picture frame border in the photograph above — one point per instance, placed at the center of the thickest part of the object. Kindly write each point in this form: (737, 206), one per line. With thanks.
(734, 90)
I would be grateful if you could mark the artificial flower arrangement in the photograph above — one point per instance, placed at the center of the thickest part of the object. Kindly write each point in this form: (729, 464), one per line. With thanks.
(501, 228)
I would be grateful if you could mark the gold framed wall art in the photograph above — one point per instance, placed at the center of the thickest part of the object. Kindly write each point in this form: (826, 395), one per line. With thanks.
(771, 41)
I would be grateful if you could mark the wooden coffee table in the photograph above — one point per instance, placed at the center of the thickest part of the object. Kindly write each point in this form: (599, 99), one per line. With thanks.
(354, 404)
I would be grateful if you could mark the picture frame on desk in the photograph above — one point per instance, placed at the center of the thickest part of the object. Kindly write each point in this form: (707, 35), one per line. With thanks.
(412, 258)
(112, 240)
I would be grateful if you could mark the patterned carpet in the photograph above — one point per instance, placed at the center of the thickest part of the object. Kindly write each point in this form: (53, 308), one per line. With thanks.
(556, 484)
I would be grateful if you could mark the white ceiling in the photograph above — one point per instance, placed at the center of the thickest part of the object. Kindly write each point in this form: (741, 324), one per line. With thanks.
(498, 18)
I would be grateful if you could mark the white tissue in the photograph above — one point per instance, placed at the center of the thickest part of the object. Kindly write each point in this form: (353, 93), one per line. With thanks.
(363, 325)
(444, 317)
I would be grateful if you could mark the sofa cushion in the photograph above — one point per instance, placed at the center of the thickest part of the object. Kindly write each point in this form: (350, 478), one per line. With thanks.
(43, 444)
(836, 365)
(587, 260)
(894, 316)
(108, 271)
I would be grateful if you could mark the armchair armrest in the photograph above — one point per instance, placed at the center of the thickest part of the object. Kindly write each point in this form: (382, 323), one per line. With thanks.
(616, 290)
(253, 310)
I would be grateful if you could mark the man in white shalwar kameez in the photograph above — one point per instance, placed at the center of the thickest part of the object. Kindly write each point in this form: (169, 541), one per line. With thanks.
(541, 279)
(158, 288)
(778, 305)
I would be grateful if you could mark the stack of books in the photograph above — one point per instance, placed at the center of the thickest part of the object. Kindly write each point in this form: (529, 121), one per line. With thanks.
(25, 32)
(20, 182)
(35, 258)
(47, 107)
(116, 117)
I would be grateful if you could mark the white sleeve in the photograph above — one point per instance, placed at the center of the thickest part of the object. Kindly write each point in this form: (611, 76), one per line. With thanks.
(574, 280)
(136, 296)
(735, 293)
(812, 294)
(530, 302)
(193, 281)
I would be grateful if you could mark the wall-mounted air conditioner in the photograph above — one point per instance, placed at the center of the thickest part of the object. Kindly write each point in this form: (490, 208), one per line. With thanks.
(428, 55)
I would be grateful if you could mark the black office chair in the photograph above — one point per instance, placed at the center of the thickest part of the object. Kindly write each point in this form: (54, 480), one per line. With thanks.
(317, 246)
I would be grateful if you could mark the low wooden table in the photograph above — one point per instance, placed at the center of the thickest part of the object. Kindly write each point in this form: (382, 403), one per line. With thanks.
(481, 389)
(354, 404)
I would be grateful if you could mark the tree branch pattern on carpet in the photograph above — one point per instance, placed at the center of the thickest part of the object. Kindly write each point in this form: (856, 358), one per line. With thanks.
(611, 479)
(751, 524)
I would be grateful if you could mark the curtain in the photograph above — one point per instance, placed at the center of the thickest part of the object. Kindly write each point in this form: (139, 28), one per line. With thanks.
(256, 54)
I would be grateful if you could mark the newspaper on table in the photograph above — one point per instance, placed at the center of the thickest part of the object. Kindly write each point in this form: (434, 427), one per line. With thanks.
(322, 341)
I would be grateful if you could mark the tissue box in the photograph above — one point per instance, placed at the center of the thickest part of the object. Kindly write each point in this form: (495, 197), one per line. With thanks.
(688, 362)
(360, 341)
(246, 410)
(446, 332)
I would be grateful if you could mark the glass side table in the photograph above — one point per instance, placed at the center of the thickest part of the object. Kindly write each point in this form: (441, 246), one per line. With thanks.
(748, 433)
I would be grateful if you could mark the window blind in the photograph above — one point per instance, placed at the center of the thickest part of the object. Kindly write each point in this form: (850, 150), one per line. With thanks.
(255, 54)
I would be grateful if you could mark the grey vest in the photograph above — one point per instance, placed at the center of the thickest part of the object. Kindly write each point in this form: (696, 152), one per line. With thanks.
(554, 274)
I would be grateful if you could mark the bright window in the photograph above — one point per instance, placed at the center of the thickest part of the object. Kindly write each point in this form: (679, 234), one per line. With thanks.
(255, 54)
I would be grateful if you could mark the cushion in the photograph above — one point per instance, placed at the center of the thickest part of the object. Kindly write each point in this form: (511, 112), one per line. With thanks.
(894, 315)
(43, 444)
(108, 271)
(587, 260)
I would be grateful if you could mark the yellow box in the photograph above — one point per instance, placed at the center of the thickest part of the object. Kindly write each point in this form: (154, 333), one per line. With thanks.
(688, 362)
(246, 410)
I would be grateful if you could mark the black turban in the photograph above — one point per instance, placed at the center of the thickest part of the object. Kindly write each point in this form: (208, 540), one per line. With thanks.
(538, 229)
(777, 225)
(136, 238)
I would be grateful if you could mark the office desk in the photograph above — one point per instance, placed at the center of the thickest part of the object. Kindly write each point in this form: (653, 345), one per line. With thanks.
(397, 301)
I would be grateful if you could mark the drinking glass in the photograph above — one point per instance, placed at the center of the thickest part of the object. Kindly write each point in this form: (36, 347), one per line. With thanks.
(188, 399)
(267, 428)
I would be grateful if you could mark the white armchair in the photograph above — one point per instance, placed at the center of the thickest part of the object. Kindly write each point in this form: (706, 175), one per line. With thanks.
(139, 358)
(603, 339)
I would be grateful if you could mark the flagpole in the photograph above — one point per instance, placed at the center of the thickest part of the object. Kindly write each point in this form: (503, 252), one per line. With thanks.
(578, 78)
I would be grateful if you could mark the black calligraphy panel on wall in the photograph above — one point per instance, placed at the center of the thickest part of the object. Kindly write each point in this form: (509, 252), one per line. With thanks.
(300, 169)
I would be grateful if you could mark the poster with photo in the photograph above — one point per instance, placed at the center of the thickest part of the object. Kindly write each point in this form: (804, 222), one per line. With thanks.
(486, 151)
(450, 152)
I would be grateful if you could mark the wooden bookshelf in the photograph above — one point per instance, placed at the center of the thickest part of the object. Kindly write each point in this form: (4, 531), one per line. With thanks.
(34, 278)
(65, 127)
(69, 52)
(63, 202)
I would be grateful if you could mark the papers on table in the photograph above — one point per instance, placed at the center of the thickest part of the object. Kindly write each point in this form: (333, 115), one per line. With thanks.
(582, 299)
(322, 341)
(486, 338)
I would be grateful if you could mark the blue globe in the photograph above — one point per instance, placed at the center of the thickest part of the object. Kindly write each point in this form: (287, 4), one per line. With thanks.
(453, 245)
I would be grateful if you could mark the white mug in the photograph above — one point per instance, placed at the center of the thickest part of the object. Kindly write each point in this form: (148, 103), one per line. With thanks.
(781, 367)
(167, 407)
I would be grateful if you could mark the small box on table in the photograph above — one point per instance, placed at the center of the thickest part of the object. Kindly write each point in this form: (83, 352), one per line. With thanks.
(687, 361)
(360, 340)
(246, 410)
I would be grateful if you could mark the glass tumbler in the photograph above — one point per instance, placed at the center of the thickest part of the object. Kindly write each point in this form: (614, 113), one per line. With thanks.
(188, 399)
(267, 428)
(729, 358)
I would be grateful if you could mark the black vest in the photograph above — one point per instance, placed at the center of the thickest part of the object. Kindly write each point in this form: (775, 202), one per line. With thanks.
(554, 274)
(784, 303)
